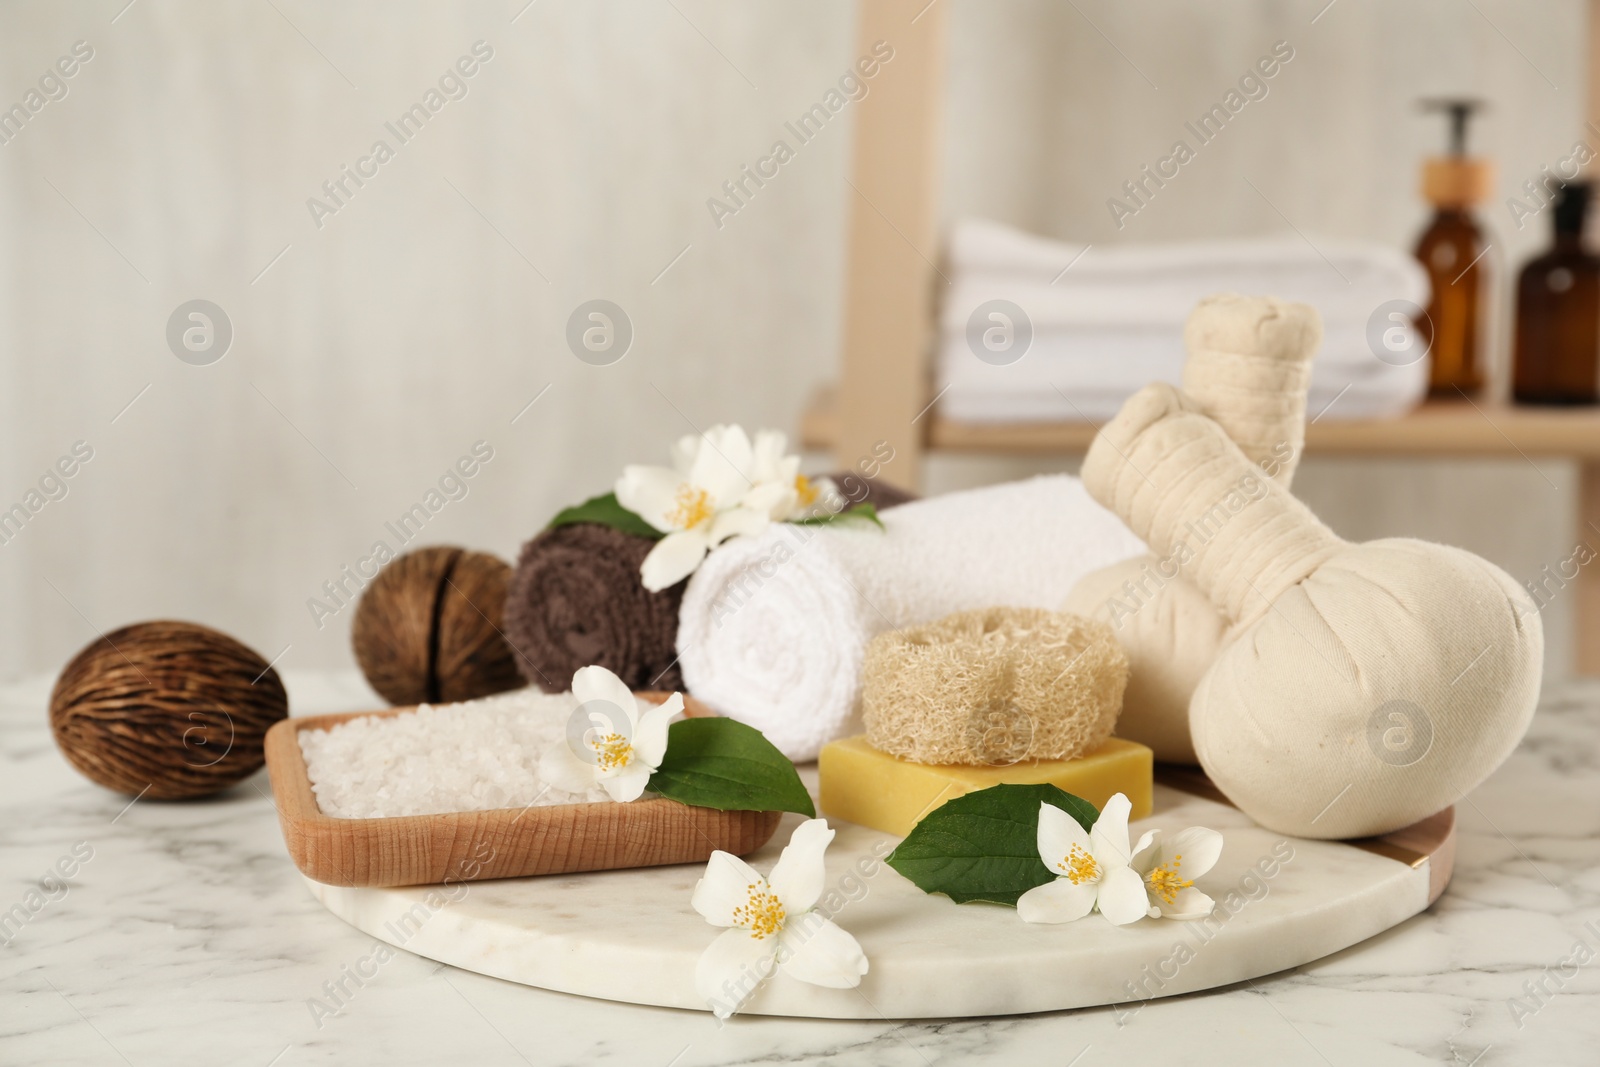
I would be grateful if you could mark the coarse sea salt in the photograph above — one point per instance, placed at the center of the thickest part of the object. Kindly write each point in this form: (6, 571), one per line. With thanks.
(473, 756)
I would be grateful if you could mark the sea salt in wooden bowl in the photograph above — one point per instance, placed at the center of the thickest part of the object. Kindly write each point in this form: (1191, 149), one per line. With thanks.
(502, 843)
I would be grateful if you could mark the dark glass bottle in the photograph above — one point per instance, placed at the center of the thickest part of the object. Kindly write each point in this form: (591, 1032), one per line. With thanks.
(1557, 349)
(1452, 251)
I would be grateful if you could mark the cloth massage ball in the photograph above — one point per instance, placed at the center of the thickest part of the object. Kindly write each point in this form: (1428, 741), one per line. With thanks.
(1248, 368)
(1361, 687)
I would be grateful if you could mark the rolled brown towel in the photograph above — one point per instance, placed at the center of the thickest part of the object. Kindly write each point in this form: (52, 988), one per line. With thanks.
(575, 599)
(859, 489)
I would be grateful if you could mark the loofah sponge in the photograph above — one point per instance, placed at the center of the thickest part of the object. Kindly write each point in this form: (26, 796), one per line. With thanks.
(994, 686)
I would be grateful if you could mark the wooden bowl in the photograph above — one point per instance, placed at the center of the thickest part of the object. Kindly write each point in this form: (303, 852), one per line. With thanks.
(503, 843)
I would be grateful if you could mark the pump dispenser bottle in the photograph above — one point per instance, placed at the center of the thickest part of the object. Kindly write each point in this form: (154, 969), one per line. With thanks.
(1452, 251)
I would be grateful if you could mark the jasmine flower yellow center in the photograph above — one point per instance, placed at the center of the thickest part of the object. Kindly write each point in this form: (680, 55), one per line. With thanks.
(1165, 881)
(612, 751)
(693, 507)
(1079, 866)
(762, 914)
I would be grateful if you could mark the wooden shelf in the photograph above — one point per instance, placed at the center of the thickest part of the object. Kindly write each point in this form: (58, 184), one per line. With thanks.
(1437, 428)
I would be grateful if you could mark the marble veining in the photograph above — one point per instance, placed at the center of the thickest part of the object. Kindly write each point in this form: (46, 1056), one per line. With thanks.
(188, 937)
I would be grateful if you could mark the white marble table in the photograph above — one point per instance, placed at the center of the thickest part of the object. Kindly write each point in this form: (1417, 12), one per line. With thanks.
(188, 938)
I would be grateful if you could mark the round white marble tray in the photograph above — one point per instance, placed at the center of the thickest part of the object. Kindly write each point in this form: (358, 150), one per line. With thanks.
(632, 936)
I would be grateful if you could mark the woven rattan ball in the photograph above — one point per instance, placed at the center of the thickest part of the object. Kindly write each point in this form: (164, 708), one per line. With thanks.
(167, 710)
(428, 628)
(994, 687)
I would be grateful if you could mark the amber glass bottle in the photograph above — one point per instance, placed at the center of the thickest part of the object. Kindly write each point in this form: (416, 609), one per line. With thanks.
(1452, 250)
(1557, 348)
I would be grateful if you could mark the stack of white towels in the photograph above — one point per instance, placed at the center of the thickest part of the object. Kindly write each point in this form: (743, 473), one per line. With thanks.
(1109, 319)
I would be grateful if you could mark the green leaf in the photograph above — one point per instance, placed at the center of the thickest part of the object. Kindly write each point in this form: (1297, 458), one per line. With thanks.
(984, 845)
(605, 511)
(866, 512)
(727, 765)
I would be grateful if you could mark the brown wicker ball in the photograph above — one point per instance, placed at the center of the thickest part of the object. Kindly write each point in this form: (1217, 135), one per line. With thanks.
(169, 710)
(428, 628)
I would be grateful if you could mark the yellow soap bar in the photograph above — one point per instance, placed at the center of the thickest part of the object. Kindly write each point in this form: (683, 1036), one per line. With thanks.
(865, 785)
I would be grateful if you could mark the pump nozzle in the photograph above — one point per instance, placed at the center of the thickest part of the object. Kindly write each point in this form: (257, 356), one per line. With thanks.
(1455, 180)
(1459, 110)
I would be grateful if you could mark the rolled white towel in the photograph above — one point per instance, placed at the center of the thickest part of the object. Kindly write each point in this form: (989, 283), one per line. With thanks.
(773, 628)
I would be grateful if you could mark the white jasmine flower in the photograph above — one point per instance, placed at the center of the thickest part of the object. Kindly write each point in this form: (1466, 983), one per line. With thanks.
(781, 491)
(623, 745)
(1092, 869)
(698, 503)
(1170, 868)
(772, 924)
